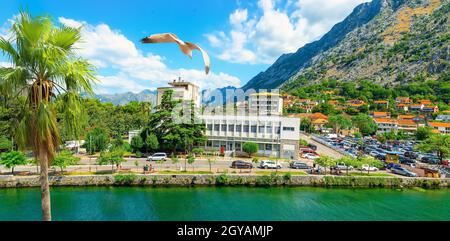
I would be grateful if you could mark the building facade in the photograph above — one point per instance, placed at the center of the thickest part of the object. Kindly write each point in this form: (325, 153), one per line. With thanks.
(276, 136)
(265, 103)
(182, 90)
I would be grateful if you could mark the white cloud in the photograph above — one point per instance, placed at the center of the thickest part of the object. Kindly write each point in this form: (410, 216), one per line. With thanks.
(5, 64)
(278, 27)
(134, 71)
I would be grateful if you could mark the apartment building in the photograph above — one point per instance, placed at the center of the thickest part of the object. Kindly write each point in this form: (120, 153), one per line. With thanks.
(440, 127)
(182, 90)
(276, 136)
(266, 103)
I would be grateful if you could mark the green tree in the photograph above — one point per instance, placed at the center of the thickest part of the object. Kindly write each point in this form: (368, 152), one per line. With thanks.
(137, 143)
(326, 161)
(65, 159)
(338, 122)
(43, 62)
(5, 144)
(347, 161)
(437, 143)
(13, 159)
(365, 124)
(371, 162)
(173, 134)
(97, 140)
(191, 160)
(250, 148)
(113, 158)
(151, 143)
(423, 133)
(306, 125)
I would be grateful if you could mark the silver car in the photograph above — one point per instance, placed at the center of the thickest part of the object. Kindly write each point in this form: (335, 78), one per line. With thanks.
(159, 156)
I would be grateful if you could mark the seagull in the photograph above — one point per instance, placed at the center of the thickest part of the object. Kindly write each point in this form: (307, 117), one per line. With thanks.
(185, 47)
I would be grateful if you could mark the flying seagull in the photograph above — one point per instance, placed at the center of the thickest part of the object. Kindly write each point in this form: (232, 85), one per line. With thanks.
(185, 47)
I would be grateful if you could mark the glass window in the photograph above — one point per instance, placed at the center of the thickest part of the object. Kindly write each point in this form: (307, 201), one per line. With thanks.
(209, 126)
(268, 129)
(277, 130)
(224, 128)
(216, 127)
(231, 128)
(261, 129)
(253, 129)
(268, 147)
(246, 128)
(238, 128)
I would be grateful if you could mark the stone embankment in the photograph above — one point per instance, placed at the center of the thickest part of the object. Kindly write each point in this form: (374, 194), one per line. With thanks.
(225, 180)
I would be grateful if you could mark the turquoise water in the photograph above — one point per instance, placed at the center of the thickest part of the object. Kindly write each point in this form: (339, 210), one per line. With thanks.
(227, 203)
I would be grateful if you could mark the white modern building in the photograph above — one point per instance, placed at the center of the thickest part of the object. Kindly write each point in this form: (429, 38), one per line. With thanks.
(182, 90)
(276, 136)
(265, 103)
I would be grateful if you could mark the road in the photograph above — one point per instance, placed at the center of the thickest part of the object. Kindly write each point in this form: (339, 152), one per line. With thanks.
(321, 149)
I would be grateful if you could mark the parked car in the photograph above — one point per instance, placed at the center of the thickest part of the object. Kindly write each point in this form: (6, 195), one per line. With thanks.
(366, 168)
(298, 165)
(241, 165)
(310, 156)
(159, 156)
(411, 154)
(403, 171)
(342, 166)
(314, 147)
(406, 160)
(269, 165)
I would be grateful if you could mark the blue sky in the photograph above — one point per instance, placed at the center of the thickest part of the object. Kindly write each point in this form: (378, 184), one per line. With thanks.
(242, 37)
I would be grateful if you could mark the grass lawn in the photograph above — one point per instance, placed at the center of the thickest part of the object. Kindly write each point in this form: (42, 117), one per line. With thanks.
(372, 174)
(280, 173)
(183, 172)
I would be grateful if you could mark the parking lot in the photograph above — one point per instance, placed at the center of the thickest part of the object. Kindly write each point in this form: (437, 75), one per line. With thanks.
(408, 157)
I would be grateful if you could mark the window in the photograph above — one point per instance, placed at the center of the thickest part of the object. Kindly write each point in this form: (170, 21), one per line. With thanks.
(209, 127)
(287, 128)
(238, 128)
(231, 128)
(253, 129)
(261, 129)
(277, 130)
(246, 128)
(224, 128)
(269, 129)
(216, 127)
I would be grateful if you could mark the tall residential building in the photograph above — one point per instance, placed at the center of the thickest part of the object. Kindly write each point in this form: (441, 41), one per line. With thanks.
(266, 103)
(182, 90)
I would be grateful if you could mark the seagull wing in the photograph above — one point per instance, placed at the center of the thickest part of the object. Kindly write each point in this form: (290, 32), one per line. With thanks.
(162, 38)
(193, 46)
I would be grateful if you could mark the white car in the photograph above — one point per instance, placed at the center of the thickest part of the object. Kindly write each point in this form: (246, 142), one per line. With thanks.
(366, 167)
(269, 165)
(310, 156)
(342, 166)
(159, 156)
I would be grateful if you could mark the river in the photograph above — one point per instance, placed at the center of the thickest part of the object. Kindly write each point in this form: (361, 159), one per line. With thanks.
(227, 203)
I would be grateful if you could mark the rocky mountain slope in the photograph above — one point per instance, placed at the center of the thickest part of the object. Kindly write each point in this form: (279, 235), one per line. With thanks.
(124, 98)
(386, 41)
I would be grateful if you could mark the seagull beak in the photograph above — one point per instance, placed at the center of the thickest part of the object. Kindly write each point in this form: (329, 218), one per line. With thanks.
(145, 40)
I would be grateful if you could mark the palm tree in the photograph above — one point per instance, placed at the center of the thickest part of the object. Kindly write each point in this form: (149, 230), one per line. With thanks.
(43, 61)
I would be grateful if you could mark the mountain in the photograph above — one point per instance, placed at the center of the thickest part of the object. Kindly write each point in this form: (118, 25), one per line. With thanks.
(124, 98)
(386, 41)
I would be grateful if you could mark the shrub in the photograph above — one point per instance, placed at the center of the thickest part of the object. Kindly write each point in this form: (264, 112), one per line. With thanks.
(124, 179)
(222, 180)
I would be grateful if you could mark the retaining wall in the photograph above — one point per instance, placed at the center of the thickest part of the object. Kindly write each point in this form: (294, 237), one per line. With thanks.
(226, 180)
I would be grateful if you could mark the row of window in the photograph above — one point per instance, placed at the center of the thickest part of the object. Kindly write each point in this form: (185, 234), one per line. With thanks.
(242, 128)
(247, 128)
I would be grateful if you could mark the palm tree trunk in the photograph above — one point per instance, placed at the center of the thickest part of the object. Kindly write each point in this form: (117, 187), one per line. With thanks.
(45, 189)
